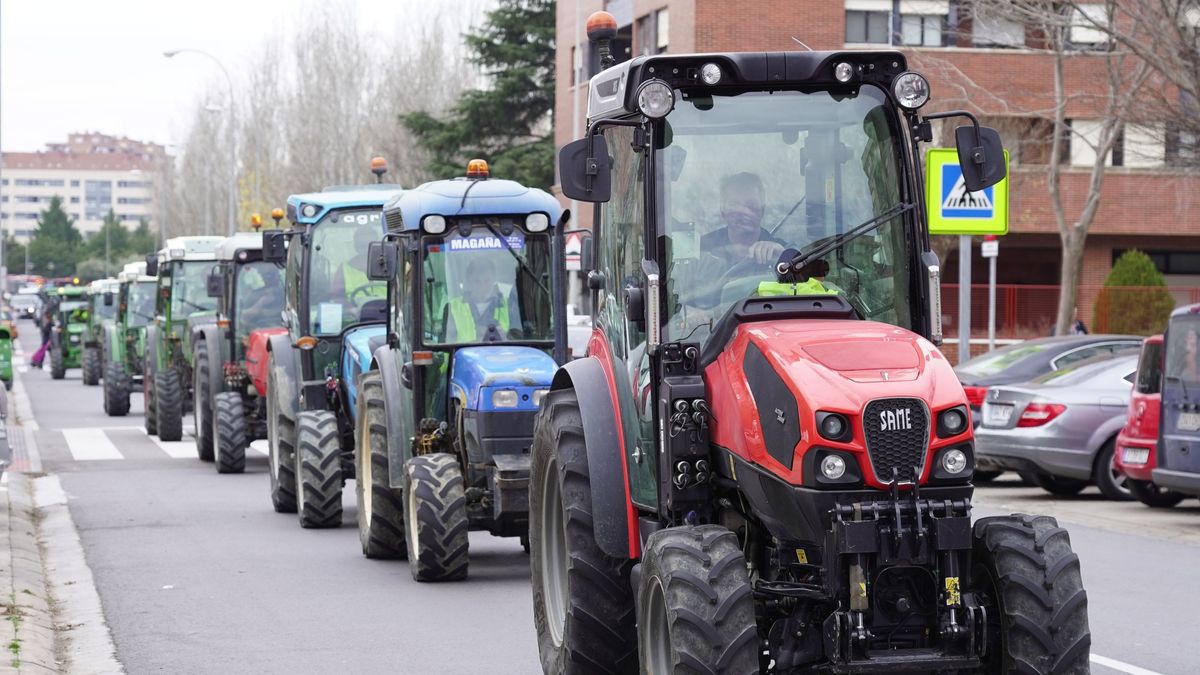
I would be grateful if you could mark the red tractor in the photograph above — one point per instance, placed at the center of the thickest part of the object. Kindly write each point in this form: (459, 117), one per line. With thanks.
(764, 463)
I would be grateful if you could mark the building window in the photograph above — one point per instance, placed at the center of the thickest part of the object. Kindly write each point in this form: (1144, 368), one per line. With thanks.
(133, 184)
(1169, 262)
(38, 182)
(921, 30)
(26, 199)
(133, 200)
(1141, 147)
(1182, 147)
(74, 183)
(661, 30)
(990, 29)
(25, 216)
(1088, 26)
(4, 198)
(3, 181)
(98, 195)
(868, 27)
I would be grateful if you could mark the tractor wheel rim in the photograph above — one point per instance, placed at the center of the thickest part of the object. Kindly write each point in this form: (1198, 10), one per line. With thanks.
(655, 634)
(553, 554)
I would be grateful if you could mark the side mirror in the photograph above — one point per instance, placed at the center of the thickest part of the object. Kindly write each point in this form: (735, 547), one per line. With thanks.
(108, 299)
(578, 250)
(584, 170)
(274, 246)
(981, 156)
(214, 285)
(152, 265)
(381, 260)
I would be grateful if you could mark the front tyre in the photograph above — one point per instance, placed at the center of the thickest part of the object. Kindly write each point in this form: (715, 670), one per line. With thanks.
(695, 604)
(168, 404)
(228, 432)
(91, 366)
(1029, 576)
(202, 403)
(435, 518)
(583, 607)
(318, 470)
(116, 390)
(380, 507)
(281, 441)
(58, 365)
(148, 397)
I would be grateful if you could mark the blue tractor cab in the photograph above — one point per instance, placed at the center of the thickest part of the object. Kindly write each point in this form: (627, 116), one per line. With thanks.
(333, 312)
(477, 329)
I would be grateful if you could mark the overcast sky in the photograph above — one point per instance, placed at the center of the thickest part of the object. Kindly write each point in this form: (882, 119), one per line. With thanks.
(98, 65)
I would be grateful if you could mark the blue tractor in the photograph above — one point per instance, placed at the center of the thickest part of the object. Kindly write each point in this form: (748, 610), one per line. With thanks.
(476, 330)
(332, 311)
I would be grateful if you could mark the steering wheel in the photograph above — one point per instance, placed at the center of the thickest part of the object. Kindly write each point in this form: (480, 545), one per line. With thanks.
(362, 290)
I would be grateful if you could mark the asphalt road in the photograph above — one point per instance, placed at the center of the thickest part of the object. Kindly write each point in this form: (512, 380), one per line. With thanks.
(198, 575)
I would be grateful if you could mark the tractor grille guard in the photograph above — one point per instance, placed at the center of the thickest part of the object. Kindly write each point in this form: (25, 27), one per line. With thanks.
(897, 435)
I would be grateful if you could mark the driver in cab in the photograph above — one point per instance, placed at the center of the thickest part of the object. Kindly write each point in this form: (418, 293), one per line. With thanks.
(743, 238)
(481, 313)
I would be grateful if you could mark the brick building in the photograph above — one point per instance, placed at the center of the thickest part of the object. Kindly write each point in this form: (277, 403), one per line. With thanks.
(1148, 202)
(91, 172)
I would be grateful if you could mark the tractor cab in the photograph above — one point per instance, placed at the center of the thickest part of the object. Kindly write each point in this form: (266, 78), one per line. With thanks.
(248, 289)
(764, 454)
(70, 319)
(102, 310)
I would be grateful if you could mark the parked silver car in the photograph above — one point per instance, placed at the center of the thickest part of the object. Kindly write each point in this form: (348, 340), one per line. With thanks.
(1059, 430)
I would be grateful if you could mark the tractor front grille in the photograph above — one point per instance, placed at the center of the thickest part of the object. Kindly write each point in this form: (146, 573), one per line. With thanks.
(897, 432)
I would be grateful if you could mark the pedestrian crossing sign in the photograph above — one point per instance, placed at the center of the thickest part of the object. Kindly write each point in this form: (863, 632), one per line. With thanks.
(953, 210)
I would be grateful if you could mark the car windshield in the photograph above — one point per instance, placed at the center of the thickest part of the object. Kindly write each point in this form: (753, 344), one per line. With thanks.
(189, 288)
(485, 286)
(748, 176)
(338, 286)
(140, 303)
(1150, 369)
(259, 297)
(999, 360)
(1095, 368)
(1182, 338)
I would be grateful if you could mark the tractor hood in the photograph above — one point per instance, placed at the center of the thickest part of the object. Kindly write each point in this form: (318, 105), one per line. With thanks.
(361, 343)
(499, 366)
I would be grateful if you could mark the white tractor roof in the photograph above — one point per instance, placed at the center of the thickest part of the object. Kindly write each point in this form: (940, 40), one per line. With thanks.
(190, 248)
(242, 241)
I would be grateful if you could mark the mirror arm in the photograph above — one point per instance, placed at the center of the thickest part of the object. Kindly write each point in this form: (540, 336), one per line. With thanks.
(977, 154)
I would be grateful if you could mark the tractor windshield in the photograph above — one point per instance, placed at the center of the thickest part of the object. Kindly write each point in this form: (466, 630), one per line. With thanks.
(100, 310)
(189, 289)
(487, 286)
(73, 311)
(258, 298)
(1183, 361)
(338, 286)
(140, 303)
(747, 179)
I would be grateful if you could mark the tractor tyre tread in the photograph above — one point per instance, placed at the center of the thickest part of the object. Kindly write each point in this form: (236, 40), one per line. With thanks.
(436, 518)
(229, 420)
(318, 469)
(282, 449)
(382, 533)
(1038, 589)
(91, 366)
(116, 390)
(202, 404)
(168, 404)
(58, 367)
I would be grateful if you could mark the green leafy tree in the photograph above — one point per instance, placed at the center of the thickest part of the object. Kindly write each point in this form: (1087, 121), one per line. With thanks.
(91, 269)
(509, 122)
(142, 241)
(56, 243)
(14, 255)
(112, 236)
(1135, 299)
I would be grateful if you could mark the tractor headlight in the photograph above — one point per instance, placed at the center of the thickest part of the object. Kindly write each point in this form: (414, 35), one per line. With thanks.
(710, 73)
(309, 210)
(655, 99)
(538, 395)
(911, 90)
(433, 224)
(843, 72)
(537, 222)
(833, 467)
(954, 461)
(952, 422)
(833, 426)
(75, 339)
(177, 253)
(504, 398)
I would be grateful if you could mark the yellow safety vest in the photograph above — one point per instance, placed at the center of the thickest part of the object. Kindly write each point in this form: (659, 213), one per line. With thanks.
(354, 278)
(464, 319)
(811, 287)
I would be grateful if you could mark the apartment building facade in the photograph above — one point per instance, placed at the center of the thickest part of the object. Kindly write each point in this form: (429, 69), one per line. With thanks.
(991, 66)
(91, 172)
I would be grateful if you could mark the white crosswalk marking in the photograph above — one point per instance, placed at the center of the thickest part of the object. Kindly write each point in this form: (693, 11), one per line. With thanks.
(90, 444)
(178, 449)
(260, 447)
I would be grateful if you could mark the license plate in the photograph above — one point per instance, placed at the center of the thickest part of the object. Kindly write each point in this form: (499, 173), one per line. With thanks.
(1188, 421)
(997, 414)
(1135, 455)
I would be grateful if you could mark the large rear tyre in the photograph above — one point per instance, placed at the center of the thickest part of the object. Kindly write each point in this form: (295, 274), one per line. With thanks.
(1152, 495)
(583, 606)
(281, 441)
(202, 403)
(91, 366)
(696, 604)
(168, 404)
(380, 507)
(116, 390)
(1113, 484)
(58, 366)
(228, 431)
(435, 518)
(319, 470)
(1061, 487)
(1030, 582)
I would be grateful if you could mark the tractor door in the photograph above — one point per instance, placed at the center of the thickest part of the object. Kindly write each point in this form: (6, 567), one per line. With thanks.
(621, 249)
(403, 334)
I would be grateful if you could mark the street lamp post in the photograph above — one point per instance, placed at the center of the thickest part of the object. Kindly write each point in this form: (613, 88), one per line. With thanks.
(230, 226)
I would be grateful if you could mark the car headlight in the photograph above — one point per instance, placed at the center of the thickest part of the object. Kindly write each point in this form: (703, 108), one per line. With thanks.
(833, 467)
(954, 461)
(504, 398)
(538, 395)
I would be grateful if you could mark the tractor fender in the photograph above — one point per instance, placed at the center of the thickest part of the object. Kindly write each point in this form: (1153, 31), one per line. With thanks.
(257, 358)
(113, 345)
(283, 355)
(611, 509)
(386, 362)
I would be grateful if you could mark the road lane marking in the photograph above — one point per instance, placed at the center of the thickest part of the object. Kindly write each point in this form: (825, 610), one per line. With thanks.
(177, 449)
(1120, 665)
(260, 446)
(90, 444)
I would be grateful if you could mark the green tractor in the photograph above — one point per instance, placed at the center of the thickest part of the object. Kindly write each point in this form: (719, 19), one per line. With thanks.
(66, 338)
(182, 304)
(101, 310)
(229, 401)
(123, 343)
